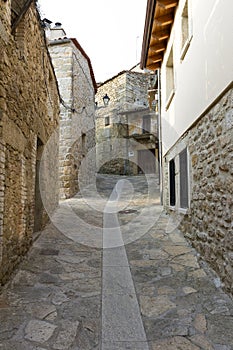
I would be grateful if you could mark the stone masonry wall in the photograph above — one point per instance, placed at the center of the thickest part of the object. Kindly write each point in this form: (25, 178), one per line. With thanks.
(29, 111)
(208, 221)
(77, 119)
(128, 104)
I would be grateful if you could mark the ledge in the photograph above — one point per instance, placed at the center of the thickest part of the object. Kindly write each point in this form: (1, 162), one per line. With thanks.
(183, 211)
(169, 100)
(185, 48)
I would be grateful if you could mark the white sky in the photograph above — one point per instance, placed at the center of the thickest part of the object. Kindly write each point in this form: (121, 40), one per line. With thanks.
(110, 31)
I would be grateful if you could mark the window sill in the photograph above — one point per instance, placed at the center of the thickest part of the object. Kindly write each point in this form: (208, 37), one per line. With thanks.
(172, 208)
(183, 211)
(170, 98)
(185, 48)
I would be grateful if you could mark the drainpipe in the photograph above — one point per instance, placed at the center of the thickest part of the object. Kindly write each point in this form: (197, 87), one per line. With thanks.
(160, 138)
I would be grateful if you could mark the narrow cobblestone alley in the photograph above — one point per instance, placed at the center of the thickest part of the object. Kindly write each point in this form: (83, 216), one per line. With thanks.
(158, 295)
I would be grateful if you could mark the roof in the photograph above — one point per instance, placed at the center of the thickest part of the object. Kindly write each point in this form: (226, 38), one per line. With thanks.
(158, 24)
(120, 73)
(79, 47)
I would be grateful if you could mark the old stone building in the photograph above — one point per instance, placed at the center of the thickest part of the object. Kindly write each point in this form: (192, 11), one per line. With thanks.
(126, 126)
(77, 119)
(29, 115)
(193, 54)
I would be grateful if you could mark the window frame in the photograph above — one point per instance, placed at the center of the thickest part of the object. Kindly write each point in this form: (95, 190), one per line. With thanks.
(172, 183)
(184, 182)
(106, 121)
(170, 78)
(185, 17)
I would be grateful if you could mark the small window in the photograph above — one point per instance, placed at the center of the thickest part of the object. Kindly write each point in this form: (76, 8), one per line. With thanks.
(170, 84)
(185, 24)
(183, 159)
(172, 182)
(107, 121)
(83, 143)
(185, 30)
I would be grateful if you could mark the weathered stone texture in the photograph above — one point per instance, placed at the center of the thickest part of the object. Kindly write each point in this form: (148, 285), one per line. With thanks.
(128, 93)
(208, 221)
(77, 119)
(29, 111)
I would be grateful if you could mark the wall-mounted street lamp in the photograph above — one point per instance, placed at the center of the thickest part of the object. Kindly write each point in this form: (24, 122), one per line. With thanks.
(106, 100)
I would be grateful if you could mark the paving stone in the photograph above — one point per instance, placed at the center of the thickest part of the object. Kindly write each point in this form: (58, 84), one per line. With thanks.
(200, 323)
(55, 299)
(188, 260)
(43, 311)
(176, 343)
(189, 290)
(201, 341)
(220, 329)
(39, 331)
(155, 306)
(177, 250)
(66, 335)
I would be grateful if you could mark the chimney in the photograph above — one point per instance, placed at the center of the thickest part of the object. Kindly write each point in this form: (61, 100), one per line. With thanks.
(57, 32)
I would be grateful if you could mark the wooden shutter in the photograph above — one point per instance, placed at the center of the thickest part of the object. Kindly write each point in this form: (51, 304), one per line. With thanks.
(183, 179)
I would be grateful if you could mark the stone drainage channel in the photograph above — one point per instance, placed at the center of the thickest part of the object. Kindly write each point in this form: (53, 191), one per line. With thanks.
(121, 317)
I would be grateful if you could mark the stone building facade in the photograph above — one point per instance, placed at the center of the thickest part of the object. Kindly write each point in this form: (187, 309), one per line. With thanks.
(126, 129)
(208, 222)
(197, 122)
(77, 119)
(29, 115)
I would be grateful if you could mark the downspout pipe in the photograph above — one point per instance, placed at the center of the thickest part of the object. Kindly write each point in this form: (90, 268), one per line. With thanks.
(160, 138)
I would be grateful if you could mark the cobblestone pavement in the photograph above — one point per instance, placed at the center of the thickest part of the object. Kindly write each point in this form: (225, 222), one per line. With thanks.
(63, 290)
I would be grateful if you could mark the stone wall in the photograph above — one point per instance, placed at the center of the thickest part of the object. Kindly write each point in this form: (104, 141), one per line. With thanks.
(128, 93)
(29, 114)
(77, 119)
(208, 220)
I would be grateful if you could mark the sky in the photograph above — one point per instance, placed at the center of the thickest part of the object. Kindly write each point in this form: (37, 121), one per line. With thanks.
(109, 31)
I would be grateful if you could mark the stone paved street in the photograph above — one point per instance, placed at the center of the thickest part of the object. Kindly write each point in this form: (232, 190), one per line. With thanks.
(158, 295)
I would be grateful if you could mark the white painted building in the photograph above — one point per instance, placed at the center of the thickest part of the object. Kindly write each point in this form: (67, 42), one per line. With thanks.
(190, 43)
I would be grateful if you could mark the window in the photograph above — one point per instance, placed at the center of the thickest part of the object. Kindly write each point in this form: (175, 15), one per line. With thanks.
(107, 121)
(185, 30)
(146, 124)
(172, 182)
(83, 144)
(183, 160)
(170, 87)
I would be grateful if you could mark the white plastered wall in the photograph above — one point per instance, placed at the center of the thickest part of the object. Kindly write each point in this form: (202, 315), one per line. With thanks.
(206, 69)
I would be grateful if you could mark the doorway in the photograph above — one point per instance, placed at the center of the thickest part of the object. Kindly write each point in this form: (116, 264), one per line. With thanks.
(38, 211)
(146, 161)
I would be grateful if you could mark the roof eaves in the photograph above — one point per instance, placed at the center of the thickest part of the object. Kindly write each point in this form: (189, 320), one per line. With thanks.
(151, 4)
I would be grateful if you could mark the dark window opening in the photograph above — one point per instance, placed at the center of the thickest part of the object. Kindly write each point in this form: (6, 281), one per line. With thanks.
(107, 121)
(172, 182)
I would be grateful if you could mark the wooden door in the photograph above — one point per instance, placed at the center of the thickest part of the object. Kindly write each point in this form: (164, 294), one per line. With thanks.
(146, 161)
